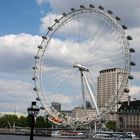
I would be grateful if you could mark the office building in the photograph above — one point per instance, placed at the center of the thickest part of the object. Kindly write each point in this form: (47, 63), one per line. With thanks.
(108, 84)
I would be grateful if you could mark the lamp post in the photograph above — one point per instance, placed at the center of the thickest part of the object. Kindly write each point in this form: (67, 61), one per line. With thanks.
(33, 111)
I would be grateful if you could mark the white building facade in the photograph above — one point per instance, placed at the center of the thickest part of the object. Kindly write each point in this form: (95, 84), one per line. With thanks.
(79, 113)
(108, 84)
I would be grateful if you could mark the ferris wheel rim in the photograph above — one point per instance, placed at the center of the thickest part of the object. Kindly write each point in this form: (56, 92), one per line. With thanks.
(51, 31)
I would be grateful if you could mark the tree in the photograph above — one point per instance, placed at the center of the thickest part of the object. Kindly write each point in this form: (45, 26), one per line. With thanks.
(111, 125)
(42, 122)
(8, 121)
(22, 122)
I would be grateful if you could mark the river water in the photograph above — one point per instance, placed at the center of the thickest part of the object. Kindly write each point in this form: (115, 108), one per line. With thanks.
(13, 137)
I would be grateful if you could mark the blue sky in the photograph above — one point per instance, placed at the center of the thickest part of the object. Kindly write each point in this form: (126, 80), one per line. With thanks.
(20, 16)
(21, 24)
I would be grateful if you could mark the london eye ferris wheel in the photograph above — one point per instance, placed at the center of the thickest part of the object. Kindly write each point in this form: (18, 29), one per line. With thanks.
(75, 48)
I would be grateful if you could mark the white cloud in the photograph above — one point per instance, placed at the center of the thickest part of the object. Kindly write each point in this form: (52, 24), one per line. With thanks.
(135, 92)
(19, 43)
(136, 75)
(16, 54)
(15, 94)
(48, 21)
(17, 51)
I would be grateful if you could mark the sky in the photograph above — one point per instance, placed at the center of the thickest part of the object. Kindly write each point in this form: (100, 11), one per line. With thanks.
(21, 25)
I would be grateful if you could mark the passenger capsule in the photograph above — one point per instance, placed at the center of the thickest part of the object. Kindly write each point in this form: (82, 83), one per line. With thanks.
(132, 63)
(82, 6)
(34, 68)
(64, 14)
(126, 90)
(37, 98)
(72, 9)
(129, 37)
(101, 8)
(130, 77)
(34, 78)
(36, 57)
(35, 89)
(118, 18)
(50, 28)
(124, 27)
(132, 50)
(91, 6)
(56, 20)
(110, 12)
(40, 47)
(44, 37)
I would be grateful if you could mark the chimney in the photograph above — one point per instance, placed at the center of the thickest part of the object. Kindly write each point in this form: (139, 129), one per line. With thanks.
(129, 100)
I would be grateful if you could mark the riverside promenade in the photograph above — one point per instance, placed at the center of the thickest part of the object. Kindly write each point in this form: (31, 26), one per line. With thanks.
(25, 131)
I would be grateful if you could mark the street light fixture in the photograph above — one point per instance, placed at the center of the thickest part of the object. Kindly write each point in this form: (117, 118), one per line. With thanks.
(33, 111)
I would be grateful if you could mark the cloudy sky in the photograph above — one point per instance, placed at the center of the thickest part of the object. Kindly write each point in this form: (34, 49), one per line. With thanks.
(24, 21)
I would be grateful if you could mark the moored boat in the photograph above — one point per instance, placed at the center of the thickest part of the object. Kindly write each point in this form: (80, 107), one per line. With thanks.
(105, 135)
(68, 134)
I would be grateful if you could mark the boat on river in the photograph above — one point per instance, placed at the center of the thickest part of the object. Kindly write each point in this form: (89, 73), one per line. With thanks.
(104, 135)
(68, 134)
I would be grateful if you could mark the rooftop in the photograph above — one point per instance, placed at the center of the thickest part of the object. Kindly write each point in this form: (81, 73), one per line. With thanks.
(133, 106)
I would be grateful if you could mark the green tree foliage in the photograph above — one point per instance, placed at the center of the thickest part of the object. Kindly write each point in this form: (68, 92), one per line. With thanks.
(8, 121)
(111, 125)
(22, 122)
(40, 122)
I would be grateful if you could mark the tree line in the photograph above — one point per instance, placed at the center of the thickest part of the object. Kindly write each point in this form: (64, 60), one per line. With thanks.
(11, 121)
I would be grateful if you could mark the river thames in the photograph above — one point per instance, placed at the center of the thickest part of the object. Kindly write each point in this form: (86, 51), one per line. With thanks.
(17, 137)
